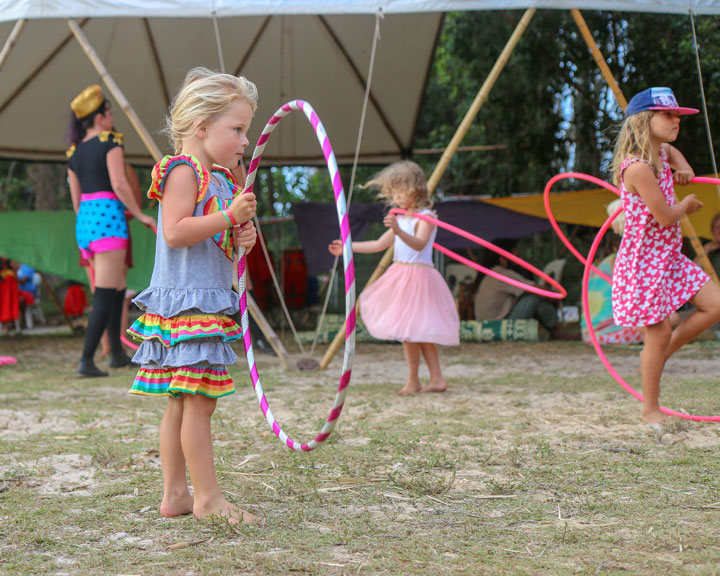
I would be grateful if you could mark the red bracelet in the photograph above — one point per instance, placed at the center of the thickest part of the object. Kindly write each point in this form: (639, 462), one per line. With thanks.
(231, 217)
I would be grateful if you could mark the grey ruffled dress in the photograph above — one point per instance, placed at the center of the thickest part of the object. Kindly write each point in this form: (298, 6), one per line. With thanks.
(185, 330)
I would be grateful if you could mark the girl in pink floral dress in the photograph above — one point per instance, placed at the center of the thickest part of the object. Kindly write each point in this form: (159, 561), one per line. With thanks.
(652, 279)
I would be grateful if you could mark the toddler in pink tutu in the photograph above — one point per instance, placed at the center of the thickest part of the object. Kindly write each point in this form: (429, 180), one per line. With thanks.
(410, 302)
(652, 278)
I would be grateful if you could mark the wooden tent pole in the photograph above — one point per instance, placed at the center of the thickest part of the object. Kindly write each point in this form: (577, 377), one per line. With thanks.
(11, 41)
(115, 91)
(610, 79)
(480, 99)
(444, 159)
(597, 55)
(267, 331)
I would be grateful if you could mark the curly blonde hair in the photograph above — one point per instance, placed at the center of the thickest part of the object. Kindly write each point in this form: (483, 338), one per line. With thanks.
(405, 177)
(204, 96)
(634, 141)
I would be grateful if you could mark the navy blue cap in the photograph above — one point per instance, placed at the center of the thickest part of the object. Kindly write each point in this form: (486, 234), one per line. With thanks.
(656, 99)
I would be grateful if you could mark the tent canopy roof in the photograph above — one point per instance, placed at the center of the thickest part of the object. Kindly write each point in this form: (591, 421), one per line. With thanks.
(321, 59)
(318, 51)
(15, 9)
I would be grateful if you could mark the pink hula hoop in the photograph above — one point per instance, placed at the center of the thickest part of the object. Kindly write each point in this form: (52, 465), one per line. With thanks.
(553, 222)
(586, 280)
(560, 294)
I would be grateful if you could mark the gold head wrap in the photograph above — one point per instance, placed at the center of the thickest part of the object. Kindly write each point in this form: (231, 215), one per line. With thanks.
(87, 102)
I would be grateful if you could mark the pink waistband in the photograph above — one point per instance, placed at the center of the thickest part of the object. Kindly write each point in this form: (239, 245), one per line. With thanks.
(99, 196)
(104, 245)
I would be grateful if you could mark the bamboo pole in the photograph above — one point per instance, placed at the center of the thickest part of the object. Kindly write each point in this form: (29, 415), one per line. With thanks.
(482, 148)
(480, 99)
(267, 330)
(444, 161)
(597, 55)
(702, 256)
(34, 74)
(11, 41)
(115, 91)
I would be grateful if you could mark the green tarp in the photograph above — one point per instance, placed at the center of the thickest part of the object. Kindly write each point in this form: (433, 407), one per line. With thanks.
(46, 241)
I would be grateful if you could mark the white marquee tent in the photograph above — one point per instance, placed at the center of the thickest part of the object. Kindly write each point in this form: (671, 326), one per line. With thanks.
(318, 51)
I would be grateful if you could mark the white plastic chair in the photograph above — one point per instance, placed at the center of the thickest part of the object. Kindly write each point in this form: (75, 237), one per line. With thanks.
(456, 274)
(554, 269)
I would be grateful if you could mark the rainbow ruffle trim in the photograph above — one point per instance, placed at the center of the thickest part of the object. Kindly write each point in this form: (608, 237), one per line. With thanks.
(162, 168)
(171, 331)
(210, 382)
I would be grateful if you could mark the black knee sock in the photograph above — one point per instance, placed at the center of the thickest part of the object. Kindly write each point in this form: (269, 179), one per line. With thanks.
(103, 302)
(114, 323)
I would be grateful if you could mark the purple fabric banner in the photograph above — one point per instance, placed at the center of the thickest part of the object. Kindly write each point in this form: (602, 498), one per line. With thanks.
(317, 226)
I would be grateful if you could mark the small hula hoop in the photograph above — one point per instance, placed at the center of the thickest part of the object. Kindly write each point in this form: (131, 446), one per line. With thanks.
(586, 281)
(560, 294)
(348, 264)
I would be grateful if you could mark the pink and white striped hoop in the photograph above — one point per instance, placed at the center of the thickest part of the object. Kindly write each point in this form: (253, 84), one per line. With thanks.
(349, 268)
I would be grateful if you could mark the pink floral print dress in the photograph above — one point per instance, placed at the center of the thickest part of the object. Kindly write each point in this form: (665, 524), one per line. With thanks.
(652, 278)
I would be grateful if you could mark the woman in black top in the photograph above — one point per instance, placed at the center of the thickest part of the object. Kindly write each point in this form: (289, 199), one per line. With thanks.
(100, 194)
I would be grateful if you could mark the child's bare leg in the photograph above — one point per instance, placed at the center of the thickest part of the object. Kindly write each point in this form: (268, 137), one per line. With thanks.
(177, 500)
(707, 302)
(197, 446)
(652, 363)
(437, 382)
(412, 356)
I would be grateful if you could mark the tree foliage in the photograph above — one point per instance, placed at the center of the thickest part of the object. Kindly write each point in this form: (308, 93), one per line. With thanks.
(551, 106)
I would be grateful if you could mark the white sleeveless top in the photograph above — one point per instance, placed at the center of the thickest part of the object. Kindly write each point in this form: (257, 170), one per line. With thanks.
(403, 253)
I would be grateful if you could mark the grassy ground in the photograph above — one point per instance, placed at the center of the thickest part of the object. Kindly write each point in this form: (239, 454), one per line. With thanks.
(534, 462)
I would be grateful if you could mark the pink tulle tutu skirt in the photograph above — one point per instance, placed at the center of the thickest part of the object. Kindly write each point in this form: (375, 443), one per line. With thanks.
(411, 303)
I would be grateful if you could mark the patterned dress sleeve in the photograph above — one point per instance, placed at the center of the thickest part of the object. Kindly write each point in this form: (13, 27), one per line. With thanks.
(161, 170)
(632, 160)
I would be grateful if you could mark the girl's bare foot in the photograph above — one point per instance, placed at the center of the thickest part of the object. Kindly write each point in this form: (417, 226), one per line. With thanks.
(653, 417)
(410, 388)
(224, 509)
(176, 506)
(655, 420)
(437, 386)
